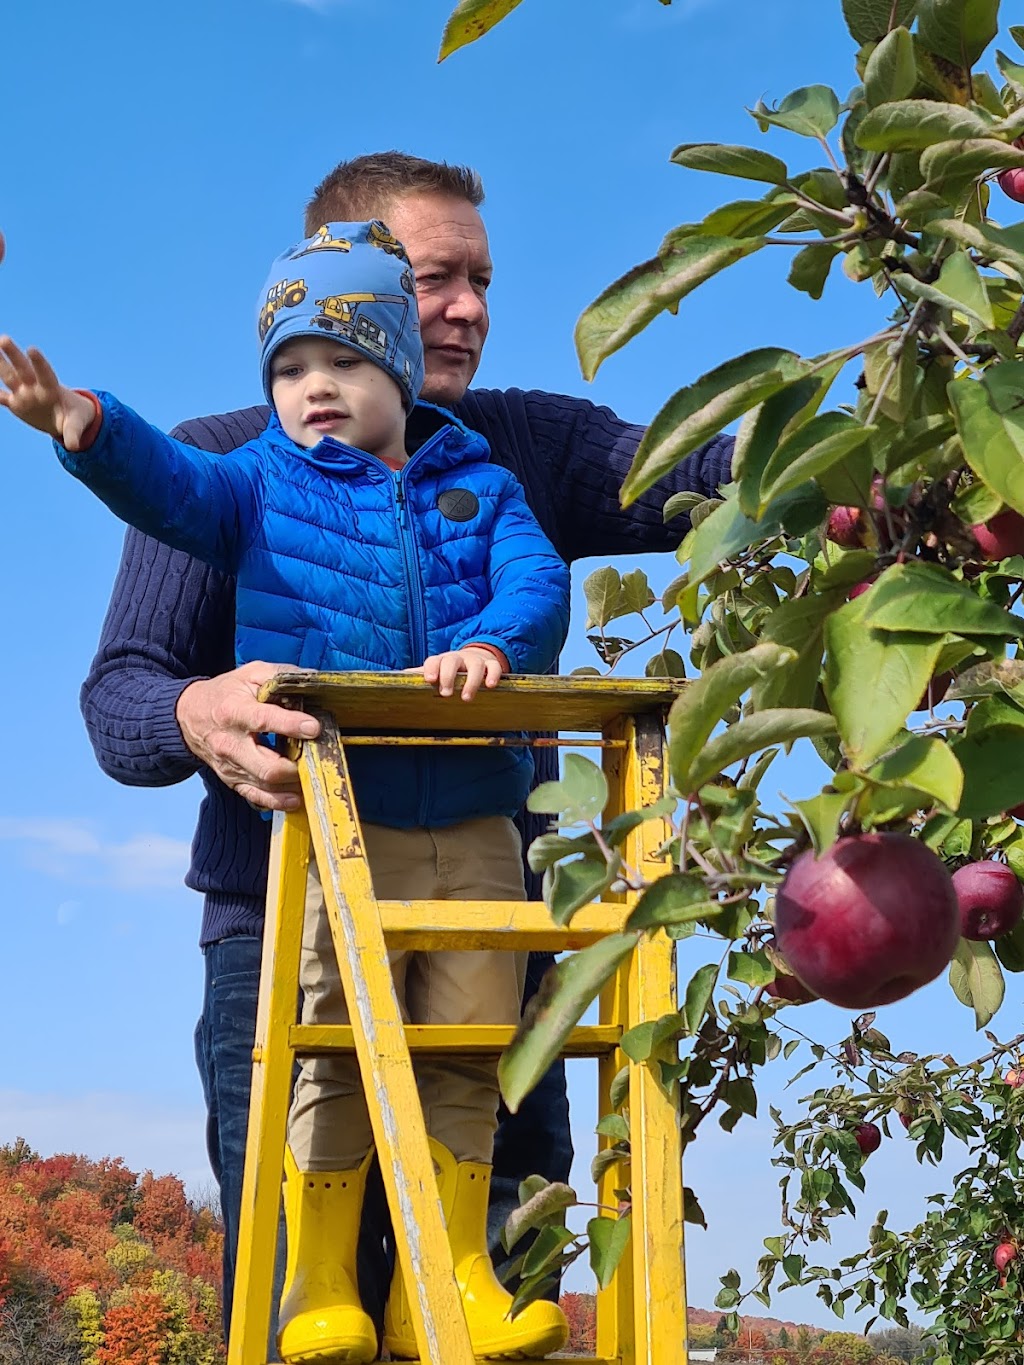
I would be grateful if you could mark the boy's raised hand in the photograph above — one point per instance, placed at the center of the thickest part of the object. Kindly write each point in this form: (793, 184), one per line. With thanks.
(35, 394)
(479, 666)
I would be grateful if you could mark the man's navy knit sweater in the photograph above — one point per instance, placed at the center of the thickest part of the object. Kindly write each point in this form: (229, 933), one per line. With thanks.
(171, 618)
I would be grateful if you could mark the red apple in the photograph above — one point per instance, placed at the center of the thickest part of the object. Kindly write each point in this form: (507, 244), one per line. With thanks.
(869, 1137)
(785, 986)
(1016, 812)
(869, 921)
(1014, 1078)
(1011, 182)
(991, 899)
(1004, 1253)
(846, 527)
(907, 1119)
(1000, 536)
(859, 589)
(935, 691)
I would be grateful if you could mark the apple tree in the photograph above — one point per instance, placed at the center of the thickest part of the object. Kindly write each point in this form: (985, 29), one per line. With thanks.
(854, 586)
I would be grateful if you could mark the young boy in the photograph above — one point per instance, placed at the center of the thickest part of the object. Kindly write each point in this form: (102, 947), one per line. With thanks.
(366, 531)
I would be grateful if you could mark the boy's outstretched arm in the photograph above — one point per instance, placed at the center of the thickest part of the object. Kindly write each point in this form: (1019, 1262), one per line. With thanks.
(35, 394)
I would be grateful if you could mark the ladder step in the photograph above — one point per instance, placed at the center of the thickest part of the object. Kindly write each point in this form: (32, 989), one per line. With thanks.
(317, 1040)
(435, 925)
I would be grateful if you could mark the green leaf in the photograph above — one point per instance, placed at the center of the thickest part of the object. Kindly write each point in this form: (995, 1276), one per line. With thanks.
(950, 166)
(919, 773)
(993, 766)
(679, 898)
(699, 411)
(640, 1041)
(977, 980)
(873, 679)
(546, 1205)
(810, 267)
(728, 530)
(551, 1015)
(470, 20)
(891, 72)
(812, 111)
(1010, 947)
(754, 733)
(627, 306)
(958, 31)
(816, 446)
(1012, 71)
(748, 217)
(762, 429)
(989, 415)
(699, 991)
(821, 815)
(636, 591)
(547, 849)
(570, 886)
(705, 701)
(798, 624)
(749, 163)
(909, 125)
(959, 287)
(751, 969)
(609, 1238)
(581, 795)
(926, 599)
(603, 591)
(870, 20)
(996, 245)
(667, 663)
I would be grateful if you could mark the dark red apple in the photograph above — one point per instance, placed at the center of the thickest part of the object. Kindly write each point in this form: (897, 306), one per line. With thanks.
(846, 527)
(991, 899)
(1011, 182)
(935, 691)
(1016, 812)
(907, 1120)
(859, 589)
(1000, 536)
(869, 921)
(1004, 1253)
(869, 1137)
(785, 986)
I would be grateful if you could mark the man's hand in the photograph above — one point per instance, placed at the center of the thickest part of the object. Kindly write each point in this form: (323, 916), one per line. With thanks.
(479, 666)
(36, 395)
(220, 719)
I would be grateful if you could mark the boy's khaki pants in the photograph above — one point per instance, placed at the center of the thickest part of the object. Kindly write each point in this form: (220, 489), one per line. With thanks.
(481, 859)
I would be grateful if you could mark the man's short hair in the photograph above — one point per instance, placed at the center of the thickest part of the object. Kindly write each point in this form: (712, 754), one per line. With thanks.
(364, 187)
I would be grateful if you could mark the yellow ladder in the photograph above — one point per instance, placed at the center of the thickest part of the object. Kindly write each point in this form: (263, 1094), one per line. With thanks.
(641, 1315)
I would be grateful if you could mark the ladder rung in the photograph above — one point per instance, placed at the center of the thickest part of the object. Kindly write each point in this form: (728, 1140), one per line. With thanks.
(589, 1040)
(531, 1360)
(435, 925)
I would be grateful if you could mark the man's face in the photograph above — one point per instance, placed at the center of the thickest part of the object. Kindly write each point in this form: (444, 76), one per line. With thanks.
(447, 247)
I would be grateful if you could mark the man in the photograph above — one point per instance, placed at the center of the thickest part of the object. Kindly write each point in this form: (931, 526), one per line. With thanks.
(162, 700)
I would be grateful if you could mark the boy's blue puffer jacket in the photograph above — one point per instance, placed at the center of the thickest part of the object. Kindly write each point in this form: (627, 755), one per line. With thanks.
(343, 563)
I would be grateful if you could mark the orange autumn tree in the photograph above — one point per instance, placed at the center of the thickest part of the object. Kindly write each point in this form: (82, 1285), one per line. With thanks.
(100, 1266)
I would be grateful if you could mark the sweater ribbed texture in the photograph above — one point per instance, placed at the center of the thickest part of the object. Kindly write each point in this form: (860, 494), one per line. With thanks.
(171, 618)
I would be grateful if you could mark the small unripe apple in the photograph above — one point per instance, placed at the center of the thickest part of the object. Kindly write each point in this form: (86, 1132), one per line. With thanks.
(1011, 182)
(1004, 1253)
(1000, 536)
(846, 527)
(871, 920)
(991, 899)
(869, 1137)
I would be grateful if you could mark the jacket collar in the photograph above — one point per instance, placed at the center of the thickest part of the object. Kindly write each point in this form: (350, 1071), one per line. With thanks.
(435, 438)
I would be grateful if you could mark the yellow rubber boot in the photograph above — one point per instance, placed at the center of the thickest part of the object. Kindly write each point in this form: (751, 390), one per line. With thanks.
(540, 1328)
(321, 1317)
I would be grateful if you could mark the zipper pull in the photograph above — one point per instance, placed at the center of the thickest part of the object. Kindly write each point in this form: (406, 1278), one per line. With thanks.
(400, 498)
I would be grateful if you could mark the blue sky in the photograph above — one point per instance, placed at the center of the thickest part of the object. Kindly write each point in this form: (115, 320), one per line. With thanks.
(157, 159)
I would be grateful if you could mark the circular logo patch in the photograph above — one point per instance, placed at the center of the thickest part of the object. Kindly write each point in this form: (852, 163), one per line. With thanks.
(458, 504)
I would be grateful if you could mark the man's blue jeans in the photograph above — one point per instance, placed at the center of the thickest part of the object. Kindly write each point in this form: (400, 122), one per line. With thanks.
(534, 1141)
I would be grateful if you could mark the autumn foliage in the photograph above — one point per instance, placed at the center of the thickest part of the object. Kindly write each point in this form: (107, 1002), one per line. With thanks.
(101, 1266)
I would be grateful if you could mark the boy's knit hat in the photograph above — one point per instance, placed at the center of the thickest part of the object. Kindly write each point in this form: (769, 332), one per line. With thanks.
(352, 282)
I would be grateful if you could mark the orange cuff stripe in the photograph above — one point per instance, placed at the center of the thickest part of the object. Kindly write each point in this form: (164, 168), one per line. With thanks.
(93, 429)
(492, 649)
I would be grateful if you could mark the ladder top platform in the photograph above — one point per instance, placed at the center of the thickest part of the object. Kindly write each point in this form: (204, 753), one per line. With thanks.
(383, 701)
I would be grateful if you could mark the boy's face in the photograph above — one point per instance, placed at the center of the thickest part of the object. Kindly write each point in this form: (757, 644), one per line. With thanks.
(322, 388)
